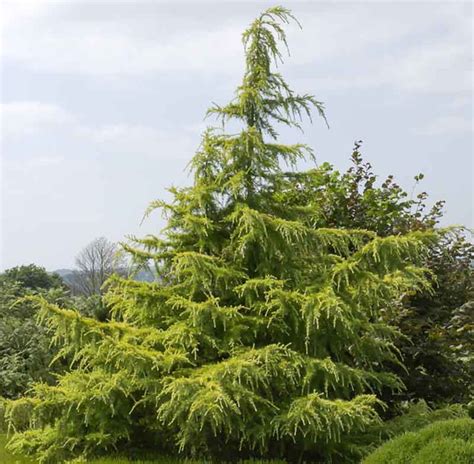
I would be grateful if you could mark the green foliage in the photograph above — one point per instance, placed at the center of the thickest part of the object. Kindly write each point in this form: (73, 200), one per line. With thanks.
(354, 199)
(8, 458)
(91, 306)
(470, 409)
(439, 443)
(265, 335)
(170, 460)
(417, 415)
(437, 324)
(25, 352)
(32, 277)
(136, 458)
(3, 422)
(412, 417)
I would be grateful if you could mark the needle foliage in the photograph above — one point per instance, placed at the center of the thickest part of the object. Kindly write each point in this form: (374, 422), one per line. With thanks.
(263, 335)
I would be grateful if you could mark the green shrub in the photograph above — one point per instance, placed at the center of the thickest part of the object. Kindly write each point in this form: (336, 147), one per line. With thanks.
(411, 418)
(168, 460)
(414, 416)
(445, 451)
(25, 346)
(8, 458)
(3, 406)
(450, 441)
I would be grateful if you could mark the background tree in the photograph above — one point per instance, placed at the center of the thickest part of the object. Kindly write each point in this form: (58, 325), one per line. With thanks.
(95, 264)
(355, 199)
(439, 326)
(265, 334)
(25, 352)
(33, 277)
(437, 329)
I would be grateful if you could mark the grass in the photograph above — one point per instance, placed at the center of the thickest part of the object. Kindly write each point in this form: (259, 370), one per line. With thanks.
(173, 461)
(8, 458)
(170, 460)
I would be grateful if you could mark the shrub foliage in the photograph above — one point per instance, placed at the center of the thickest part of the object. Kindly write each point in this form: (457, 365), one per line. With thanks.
(25, 352)
(439, 443)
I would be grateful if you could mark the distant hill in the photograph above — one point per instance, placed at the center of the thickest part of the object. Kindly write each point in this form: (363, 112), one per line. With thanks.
(144, 275)
(62, 272)
(65, 274)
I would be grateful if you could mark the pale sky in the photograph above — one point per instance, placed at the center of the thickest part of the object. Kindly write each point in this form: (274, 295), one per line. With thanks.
(102, 105)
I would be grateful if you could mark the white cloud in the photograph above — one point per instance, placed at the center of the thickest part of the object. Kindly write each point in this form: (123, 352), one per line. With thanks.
(445, 125)
(428, 54)
(423, 49)
(13, 11)
(460, 102)
(52, 40)
(27, 117)
(87, 51)
(440, 66)
(36, 162)
(419, 48)
(117, 139)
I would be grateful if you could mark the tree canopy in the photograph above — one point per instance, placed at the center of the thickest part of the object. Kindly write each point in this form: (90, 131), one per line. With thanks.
(95, 263)
(33, 277)
(25, 353)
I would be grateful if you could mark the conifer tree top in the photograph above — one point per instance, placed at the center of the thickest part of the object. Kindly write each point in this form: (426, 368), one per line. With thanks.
(264, 96)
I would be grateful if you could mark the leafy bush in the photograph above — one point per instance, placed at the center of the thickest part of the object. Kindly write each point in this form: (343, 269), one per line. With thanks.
(33, 277)
(437, 324)
(25, 351)
(169, 460)
(8, 458)
(443, 442)
(415, 416)
(3, 408)
(412, 417)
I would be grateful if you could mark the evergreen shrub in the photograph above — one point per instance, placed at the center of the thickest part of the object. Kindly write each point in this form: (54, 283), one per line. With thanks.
(443, 442)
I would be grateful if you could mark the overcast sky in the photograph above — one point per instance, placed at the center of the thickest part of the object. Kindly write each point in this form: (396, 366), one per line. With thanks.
(102, 105)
